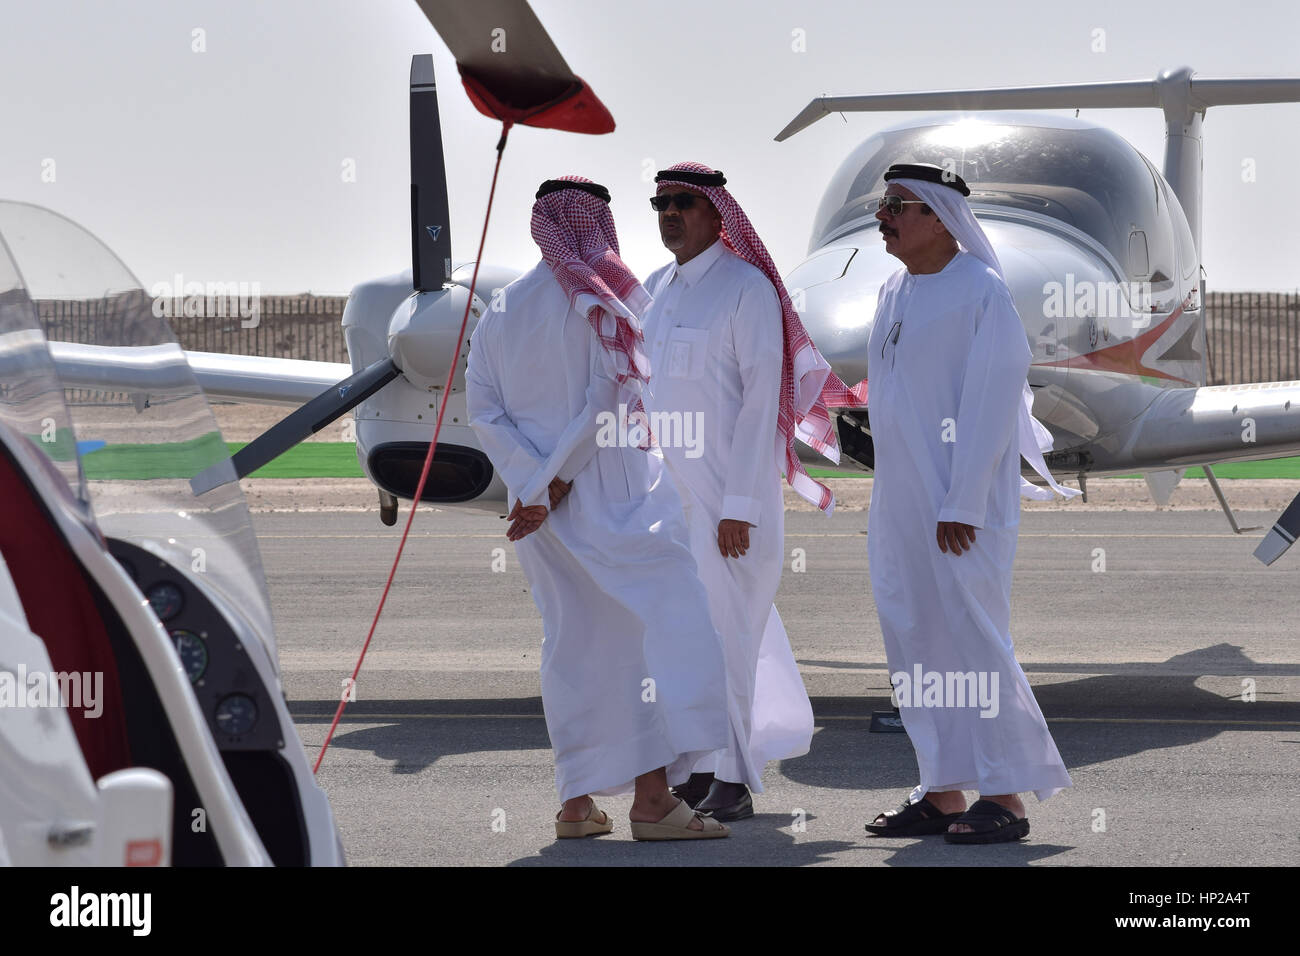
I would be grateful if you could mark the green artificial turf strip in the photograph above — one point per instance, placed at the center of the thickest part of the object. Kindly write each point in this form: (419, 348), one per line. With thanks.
(163, 460)
(1277, 468)
(317, 459)
(339, 460)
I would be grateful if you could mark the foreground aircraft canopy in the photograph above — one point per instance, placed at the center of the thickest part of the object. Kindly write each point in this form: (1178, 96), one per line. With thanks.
(115, 577)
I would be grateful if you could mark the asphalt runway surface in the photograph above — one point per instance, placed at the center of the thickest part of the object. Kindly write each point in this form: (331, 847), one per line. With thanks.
(1141, 633)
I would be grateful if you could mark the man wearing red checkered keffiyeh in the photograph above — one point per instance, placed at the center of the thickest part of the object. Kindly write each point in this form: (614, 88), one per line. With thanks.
(808, 386)
(574, 228)
(729, 355)
(601, 538)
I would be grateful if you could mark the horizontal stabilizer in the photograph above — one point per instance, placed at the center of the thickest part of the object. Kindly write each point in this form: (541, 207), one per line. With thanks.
(1201, 92)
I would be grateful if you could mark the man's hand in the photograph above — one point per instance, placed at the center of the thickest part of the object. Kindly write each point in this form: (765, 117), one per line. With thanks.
(558, 490)
(733, 537)
(954, 536)
(525, 520)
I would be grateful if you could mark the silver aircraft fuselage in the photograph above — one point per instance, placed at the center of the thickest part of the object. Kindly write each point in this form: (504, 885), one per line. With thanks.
(1094, 246)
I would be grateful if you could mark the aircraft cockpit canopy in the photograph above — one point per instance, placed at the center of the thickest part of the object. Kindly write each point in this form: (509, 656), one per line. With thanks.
(1076, 173)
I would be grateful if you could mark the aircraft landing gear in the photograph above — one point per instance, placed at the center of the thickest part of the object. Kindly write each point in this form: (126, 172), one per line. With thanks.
(387, 508)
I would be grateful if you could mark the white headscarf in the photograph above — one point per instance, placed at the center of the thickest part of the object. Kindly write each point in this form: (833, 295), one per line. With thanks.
(955, 214)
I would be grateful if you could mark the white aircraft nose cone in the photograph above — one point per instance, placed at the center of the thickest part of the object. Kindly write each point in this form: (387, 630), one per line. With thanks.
(422, 336)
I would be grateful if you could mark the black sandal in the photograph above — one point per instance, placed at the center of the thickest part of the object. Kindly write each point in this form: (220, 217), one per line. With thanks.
(990, 823)
(913, 819)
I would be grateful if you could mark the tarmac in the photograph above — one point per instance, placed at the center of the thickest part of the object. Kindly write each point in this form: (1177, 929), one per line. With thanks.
(1162, 654)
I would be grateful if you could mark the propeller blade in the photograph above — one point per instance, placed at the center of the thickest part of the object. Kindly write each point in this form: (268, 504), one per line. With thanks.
(512, 69)
(1282, 535)
(311, 418)
(430, 213)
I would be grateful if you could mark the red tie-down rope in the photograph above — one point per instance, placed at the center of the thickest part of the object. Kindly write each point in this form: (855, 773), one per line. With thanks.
(433, 445)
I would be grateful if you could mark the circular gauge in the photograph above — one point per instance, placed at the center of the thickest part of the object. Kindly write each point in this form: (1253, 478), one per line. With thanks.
(236, 715)
(166, 600)
(193, 652)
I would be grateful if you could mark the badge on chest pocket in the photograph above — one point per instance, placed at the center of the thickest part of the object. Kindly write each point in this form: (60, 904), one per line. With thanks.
(687, 349)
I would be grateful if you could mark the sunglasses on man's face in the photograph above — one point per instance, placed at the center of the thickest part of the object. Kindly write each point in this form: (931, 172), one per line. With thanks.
(680, 200)
(895, 204)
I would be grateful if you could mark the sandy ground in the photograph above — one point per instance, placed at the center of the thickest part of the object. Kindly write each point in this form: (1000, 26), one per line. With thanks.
(246, 422)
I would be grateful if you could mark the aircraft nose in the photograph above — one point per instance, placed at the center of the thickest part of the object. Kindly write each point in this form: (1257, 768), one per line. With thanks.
(834, 291)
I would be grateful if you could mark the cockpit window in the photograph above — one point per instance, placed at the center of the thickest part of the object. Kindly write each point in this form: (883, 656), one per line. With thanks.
(1086, 177)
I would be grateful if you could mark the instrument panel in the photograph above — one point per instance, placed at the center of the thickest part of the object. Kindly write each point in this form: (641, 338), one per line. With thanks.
(229, 690)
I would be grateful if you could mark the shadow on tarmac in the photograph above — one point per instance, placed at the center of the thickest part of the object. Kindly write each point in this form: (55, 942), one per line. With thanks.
(1093, 720)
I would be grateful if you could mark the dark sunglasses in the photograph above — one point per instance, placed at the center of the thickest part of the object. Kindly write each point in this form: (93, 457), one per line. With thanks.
(895, 204)
(680, 200)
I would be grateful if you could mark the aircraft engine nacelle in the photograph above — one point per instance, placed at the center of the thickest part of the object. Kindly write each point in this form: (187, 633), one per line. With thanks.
(393, 427)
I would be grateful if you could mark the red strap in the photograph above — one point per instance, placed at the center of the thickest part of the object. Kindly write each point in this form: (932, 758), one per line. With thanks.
(428, 458)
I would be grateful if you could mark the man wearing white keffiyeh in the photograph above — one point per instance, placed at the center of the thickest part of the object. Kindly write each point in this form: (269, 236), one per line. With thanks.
(947, 361)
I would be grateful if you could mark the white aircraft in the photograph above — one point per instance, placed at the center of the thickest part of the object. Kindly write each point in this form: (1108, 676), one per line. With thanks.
(1100, 249)
(142, 721)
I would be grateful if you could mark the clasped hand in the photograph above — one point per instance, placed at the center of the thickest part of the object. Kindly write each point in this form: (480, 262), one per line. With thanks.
(524, 521)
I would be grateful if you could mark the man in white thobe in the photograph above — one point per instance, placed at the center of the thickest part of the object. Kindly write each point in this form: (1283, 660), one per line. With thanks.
(632, 674)
(734, 376)
(950, 420)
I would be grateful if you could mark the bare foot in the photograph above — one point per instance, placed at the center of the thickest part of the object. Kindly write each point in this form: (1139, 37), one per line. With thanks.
(578, 809)
(1011, 801)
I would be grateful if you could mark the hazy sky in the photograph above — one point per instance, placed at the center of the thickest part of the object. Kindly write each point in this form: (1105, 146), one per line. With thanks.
(228, 164)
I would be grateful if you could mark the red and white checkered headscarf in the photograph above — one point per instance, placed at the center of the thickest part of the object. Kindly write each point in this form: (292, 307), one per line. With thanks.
(575, 231)
(808, 386)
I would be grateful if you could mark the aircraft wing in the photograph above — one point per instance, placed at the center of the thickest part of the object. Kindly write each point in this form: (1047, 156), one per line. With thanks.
(1208, 425)
(231, 378)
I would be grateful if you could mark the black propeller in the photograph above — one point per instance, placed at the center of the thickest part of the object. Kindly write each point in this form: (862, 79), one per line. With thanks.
(430, 267)
(301, 423)
(430, 214)
(1282, 535)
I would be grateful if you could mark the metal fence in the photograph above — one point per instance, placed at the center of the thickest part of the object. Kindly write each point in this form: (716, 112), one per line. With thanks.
(297, 327)
(1251, 336)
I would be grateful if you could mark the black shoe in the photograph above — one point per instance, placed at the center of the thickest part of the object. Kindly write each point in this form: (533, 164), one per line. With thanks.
(727, 801)
(695, 789)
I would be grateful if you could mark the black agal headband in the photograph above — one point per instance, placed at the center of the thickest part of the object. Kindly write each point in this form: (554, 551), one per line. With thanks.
(691, 178)
(555, 185)
(928, 173)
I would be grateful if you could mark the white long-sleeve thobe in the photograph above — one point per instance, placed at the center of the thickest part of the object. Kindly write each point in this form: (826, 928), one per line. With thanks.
(947, 362)
(632, 671)
(715, 341)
